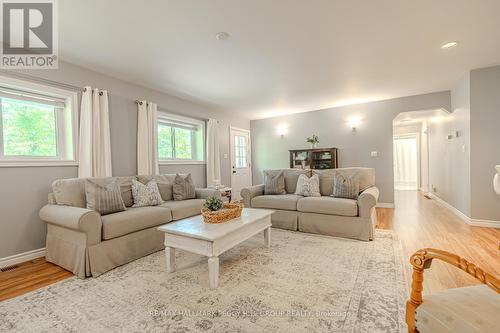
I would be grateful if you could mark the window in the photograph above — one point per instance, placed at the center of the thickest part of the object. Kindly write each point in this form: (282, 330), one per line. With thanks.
(240, 151)
(36, 124)
(180, 139)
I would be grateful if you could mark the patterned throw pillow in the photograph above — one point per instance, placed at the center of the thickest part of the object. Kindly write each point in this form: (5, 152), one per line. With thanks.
(183, 188)
(345, 187)
(308, 187)
(275, 184)
(104, 198)
(146, 195)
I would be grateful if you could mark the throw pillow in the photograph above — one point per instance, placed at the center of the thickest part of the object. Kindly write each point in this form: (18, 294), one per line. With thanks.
(164, 182)
(104, 198)
(275, 184)
(146, 195)
(308, 187)
(183, 188)
(345, 187)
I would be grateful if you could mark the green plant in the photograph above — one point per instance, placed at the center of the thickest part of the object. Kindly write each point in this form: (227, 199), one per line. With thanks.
(213, 203)
(313, 139)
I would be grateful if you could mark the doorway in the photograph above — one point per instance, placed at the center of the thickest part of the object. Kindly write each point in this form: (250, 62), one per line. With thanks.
(241, 173)
(406, 162)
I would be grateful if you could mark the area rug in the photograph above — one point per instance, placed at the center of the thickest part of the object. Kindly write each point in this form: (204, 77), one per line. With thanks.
(303, 283)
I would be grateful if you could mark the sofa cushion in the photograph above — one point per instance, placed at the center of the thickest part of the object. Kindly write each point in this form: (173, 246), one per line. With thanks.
(471, 309)
(104, 198)
(274, 184)
(366, 177)
(184, 208)
(183, 187)
(71, 191)
(328, 205)
(308, 187)
(345, 187)
(146, 195)
(164, 182)
(291, 177)
(283, 201)
(133, 219)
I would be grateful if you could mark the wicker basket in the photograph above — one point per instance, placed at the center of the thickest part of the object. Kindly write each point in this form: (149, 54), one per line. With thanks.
(229, 212)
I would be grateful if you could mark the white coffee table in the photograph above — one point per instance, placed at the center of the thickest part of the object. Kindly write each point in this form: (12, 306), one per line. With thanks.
(194, 235)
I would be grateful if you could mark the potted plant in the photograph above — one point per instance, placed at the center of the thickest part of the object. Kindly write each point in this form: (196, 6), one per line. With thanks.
(215, 211)
(313, 140)
(213, 204)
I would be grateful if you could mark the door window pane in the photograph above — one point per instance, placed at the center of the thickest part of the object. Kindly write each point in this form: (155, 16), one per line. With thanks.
(28, 129)
(240, 151)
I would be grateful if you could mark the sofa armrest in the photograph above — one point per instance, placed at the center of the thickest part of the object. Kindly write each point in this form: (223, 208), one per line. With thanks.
(247, 193)
(204, 193)
(367, 200)
(75, 218)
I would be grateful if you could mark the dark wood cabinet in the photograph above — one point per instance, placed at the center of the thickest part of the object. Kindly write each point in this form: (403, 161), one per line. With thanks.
(315, 158)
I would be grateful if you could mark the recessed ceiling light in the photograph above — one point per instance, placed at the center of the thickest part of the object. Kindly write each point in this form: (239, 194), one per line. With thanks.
(222, 35)
(449, 45)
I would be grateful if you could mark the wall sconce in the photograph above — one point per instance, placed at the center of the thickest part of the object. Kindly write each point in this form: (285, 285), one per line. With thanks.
(354, 123)
(496, 180)
(282, 130)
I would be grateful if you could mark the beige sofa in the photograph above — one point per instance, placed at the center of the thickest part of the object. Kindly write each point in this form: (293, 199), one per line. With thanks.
(321, 215)
(88, 244)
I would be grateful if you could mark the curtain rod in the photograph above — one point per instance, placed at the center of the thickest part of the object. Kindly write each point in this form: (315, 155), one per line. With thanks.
(176, 113)
(40, 80)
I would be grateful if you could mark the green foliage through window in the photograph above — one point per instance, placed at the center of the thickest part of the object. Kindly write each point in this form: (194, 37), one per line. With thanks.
(180, 138)
(28, 129)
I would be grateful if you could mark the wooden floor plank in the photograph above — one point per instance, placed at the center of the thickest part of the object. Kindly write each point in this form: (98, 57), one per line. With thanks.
(418, 222)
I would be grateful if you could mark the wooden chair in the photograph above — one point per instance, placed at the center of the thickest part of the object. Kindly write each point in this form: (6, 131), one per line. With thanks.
(475, 309)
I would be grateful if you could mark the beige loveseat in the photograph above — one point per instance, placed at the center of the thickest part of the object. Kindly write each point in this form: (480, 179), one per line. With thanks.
(88, 244)
(321, 215)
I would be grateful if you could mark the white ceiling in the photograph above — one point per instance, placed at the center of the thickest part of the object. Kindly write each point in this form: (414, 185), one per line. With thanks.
(283, 56)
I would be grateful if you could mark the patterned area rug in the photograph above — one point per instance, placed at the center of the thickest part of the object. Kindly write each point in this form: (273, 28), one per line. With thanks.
(303, 283)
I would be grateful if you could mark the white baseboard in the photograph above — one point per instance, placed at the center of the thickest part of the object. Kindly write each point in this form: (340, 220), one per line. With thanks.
(385, 205)
(465, 218)
(485, 223)
(22, 257)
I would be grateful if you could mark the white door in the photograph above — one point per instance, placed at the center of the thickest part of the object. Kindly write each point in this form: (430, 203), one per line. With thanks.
(241, 173)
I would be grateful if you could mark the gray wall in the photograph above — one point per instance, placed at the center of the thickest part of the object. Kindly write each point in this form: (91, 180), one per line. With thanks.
(449, 164)
(332, 126)
(24, 190)
(485, 138)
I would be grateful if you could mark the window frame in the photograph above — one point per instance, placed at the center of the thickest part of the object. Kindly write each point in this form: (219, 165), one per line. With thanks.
(66, 126)
(163, 117)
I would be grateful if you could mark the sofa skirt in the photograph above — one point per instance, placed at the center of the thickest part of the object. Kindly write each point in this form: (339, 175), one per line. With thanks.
(68, 248)
(340, 226)
(284, 219)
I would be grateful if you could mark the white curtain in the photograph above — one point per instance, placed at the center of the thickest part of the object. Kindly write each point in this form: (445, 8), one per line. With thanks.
(213, 153)
(405, 163)
(147, 134)
(94, 153)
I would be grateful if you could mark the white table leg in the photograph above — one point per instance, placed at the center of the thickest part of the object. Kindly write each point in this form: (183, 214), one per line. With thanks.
(267, 237)
(213, 272)
(170, 259)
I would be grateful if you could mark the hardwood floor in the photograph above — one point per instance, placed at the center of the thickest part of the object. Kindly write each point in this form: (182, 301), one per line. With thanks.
(30, 276)
(418, 222)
